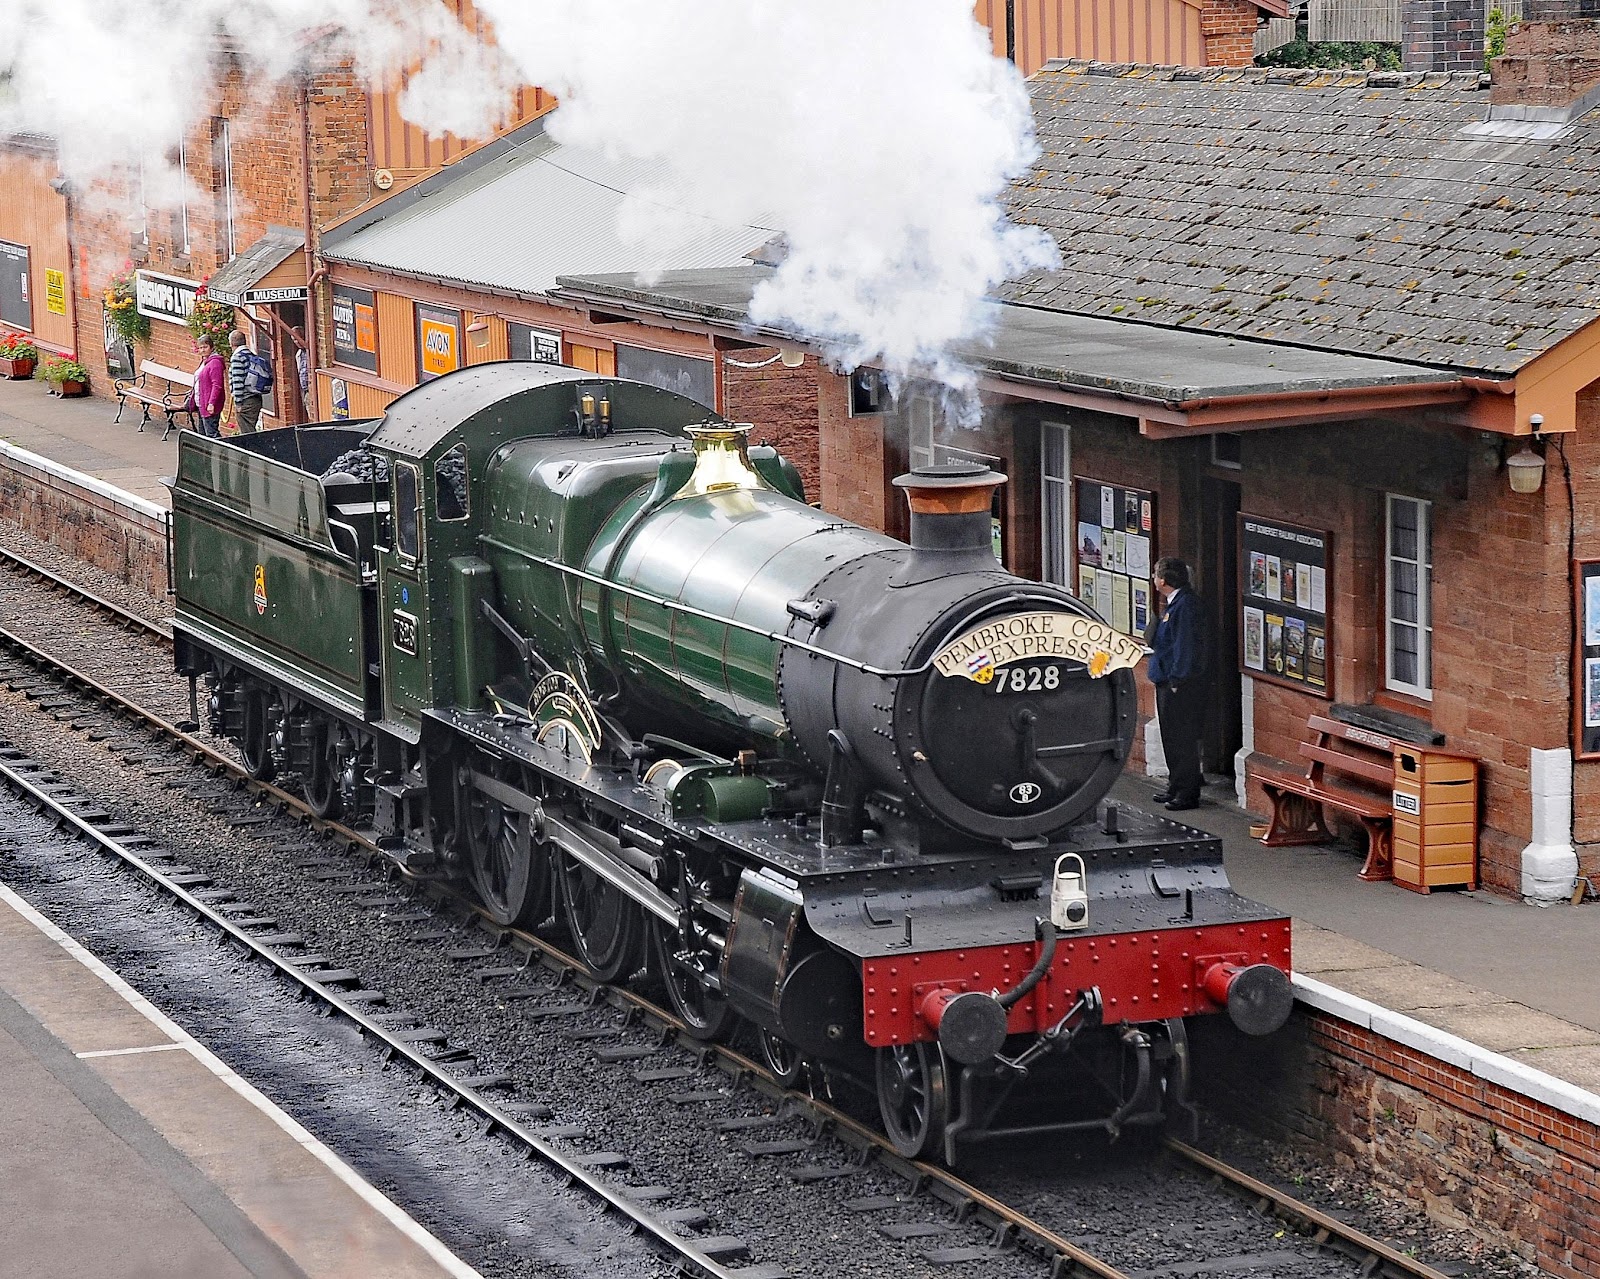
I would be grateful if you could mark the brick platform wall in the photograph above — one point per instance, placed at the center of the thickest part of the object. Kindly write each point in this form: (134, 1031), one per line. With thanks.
(1474, 1155)
(782, 404)
(856, 459)
(125, 540)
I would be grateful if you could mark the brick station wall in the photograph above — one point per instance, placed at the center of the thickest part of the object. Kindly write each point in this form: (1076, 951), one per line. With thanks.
(1474, 1155)
(126, 541)
(782, 404)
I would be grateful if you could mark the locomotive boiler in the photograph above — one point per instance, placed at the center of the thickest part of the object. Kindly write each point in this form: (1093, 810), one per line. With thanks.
(578, 642)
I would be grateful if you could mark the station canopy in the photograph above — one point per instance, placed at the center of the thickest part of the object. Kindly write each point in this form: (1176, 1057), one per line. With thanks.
(267, 271)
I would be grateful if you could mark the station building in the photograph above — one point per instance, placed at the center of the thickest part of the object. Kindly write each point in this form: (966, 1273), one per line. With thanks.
(1307, 328)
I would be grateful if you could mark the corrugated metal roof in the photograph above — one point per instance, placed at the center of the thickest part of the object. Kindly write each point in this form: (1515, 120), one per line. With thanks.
(537, 211)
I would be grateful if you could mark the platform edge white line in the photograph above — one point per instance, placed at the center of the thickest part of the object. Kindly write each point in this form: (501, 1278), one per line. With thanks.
(1491, 1067)
(380, 1202)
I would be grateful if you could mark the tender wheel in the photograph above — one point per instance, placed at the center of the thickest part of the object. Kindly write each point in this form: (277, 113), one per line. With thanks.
(320, 785)
(911, 1098)
(506, 864)
(782, 1058)
(255, 735)
(605, 924)
(704, 1014)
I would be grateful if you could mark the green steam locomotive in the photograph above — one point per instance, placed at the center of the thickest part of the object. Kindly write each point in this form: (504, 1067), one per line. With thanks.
(580, 644)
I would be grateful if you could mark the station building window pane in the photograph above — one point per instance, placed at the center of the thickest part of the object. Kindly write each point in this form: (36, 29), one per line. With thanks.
(1408, 596)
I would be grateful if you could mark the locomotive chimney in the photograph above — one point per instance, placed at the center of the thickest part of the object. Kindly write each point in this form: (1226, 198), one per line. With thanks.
(950, 504)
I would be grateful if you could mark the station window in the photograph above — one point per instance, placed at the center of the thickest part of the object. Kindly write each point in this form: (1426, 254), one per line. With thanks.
(450, 484)
(1408, 596)
(869, 393)
(407, 495)
(919, 430)
(1227, 450)
(1055, 498)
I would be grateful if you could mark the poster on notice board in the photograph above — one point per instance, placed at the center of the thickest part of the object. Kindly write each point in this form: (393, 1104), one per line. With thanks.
(1284, 586)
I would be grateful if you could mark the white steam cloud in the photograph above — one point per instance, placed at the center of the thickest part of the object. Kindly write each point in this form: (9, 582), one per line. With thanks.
(876, 135)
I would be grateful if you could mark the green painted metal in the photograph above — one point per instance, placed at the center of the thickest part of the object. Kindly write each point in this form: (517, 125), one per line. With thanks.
(254, 568)
(472, 642)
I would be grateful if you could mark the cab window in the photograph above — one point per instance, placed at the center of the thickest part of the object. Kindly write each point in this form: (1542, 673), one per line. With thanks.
(407, 495)
(450, 484)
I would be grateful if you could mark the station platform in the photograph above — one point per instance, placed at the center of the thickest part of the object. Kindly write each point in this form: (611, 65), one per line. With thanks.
(127, 1149)
(1510, 981)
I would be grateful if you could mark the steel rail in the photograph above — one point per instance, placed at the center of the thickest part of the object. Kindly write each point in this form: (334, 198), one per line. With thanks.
(684, 1250)
(1375, 1256)
(12, 559)
(1009, 1224)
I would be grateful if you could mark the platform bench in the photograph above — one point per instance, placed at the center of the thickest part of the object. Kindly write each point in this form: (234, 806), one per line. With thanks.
(171, 397)
(1352, 771)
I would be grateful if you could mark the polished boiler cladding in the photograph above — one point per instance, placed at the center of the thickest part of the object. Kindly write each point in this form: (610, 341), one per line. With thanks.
(574, 639)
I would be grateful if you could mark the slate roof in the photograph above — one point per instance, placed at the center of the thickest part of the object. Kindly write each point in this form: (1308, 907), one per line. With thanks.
(1343, 211)
(1134, 360)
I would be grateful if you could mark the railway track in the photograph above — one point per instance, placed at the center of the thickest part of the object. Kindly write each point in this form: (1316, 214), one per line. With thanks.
(524, 967)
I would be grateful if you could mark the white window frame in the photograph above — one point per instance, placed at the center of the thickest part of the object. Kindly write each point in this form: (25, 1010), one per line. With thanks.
(229, 210)
(920, 447)
(144, 207)
(1056, 562)
(183, 191)
(1424, 622)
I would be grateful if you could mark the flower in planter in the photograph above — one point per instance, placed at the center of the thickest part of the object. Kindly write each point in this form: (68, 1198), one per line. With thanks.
(58, 369)
(14, 346)
(122, 307)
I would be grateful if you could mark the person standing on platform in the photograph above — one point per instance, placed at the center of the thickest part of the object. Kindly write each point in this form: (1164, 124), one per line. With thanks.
(246, 404)
(210, 392)
(1177, 669)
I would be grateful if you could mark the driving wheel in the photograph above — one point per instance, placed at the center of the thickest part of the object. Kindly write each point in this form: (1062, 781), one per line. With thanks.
(255, 735)
(912, 1098)
(320, 785)
(705, 1013)
(506, 863)
(604, 923)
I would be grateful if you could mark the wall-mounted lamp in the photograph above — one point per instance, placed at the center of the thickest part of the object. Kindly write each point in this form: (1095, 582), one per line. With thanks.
(792, 356)
(1525, 468)
(478, 333)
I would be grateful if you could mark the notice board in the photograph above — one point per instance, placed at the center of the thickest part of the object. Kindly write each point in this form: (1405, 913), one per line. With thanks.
(1285, 585)
(1586, 666)
(1114, 542)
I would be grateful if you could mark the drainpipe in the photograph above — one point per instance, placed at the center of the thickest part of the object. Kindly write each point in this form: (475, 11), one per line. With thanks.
(314, 271)
(1011, 31)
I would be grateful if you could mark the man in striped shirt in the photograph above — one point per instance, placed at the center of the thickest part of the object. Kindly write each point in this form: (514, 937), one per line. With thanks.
(246, 407)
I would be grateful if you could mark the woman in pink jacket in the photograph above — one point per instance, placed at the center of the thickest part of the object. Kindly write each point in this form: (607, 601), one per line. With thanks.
(209, 388)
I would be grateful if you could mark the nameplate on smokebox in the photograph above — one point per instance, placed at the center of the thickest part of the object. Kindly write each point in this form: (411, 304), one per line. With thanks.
(1024, 637)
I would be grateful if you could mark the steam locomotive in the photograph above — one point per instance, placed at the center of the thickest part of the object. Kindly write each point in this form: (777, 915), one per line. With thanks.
(575, 641)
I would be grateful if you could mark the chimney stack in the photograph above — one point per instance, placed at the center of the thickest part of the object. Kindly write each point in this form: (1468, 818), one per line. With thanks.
(1443, 35)
(1550, 72)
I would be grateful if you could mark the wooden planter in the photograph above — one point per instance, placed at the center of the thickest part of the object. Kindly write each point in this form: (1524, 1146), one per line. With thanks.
(69, 389)
(17, 369)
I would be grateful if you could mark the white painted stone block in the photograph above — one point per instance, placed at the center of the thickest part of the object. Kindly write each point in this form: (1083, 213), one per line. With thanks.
(1549, 862)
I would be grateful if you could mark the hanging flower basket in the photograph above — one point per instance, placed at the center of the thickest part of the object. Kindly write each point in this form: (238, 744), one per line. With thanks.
(122, 308)
(211, 319)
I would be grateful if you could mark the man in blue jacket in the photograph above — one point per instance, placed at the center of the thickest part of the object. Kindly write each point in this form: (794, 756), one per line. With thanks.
(1177, 669)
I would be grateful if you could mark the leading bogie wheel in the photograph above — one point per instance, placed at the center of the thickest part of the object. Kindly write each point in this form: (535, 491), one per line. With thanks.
(509, 867)
(912, 1098)
(705, 1014)
(255, 735)
(604, 922)
(782, 1058)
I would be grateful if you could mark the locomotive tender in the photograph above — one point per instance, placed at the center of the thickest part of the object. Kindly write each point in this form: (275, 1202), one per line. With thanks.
(573, 640)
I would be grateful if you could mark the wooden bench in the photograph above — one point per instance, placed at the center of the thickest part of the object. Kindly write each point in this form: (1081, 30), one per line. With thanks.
(171, 399)
(1352, 770)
